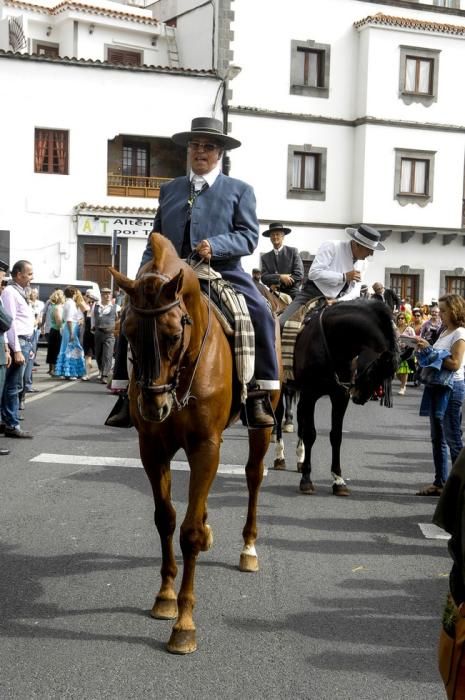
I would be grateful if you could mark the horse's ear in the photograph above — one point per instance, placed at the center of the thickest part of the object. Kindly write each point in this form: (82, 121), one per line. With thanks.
(122, 281)
(172, 288)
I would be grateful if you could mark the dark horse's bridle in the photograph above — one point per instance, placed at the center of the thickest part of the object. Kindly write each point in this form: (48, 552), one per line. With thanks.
(147, 341)
(347, 386)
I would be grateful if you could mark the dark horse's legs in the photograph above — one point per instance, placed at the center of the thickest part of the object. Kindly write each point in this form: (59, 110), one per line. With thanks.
(339, 402)
(290, 396)
(307, 432)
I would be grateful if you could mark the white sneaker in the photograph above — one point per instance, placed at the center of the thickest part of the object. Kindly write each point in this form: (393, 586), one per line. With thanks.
(401, 391)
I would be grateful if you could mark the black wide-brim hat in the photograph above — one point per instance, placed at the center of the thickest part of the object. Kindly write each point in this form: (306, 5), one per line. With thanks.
(367, 236)
(276, 226)
(208, 128)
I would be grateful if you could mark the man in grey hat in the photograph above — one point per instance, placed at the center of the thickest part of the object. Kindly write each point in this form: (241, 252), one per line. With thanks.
(214, 216)
(282, 267)
(337, 270)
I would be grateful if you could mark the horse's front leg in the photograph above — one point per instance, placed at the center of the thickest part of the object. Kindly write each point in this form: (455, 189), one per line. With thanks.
(307, 433)
(159, 474)
(258, 445)
(196, 536)
(339, 403)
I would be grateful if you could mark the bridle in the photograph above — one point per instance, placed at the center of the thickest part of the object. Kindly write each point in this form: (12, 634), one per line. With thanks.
(172, 387)
(347, 386)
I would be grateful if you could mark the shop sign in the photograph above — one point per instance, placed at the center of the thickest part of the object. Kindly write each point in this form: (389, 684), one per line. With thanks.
(112, 226)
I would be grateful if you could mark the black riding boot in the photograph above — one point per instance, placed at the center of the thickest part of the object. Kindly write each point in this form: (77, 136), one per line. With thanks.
(258, 412)
(119, 416)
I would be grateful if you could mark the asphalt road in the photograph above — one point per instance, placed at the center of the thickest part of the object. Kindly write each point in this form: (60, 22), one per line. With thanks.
(346, 604)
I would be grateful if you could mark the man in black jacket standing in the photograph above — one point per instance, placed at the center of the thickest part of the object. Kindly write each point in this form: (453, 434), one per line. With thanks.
(282, 267)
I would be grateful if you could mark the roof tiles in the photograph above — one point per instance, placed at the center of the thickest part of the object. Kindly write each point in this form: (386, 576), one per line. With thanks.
(411, 23)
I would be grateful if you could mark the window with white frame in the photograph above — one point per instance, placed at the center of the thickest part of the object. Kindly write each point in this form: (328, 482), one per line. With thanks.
(414, 176)
(306, 172)
(310, 68)
(418, 78)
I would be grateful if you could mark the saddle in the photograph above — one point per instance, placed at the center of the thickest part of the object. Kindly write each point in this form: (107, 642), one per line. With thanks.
(231, 310)
(291, 330)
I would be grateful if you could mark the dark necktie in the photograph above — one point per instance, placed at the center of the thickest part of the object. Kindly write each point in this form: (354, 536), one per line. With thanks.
(193, 194)
(186, 248)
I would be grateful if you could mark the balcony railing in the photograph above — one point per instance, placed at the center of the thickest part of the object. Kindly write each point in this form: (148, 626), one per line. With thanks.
(132, 186)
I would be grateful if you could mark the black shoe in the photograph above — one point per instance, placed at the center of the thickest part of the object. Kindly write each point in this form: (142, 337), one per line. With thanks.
(32, 391)
(119, 416)
(17, 433)
(4, 452)
(36, 364)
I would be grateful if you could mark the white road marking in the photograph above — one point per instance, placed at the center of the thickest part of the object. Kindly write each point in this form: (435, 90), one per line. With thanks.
(92, 461)
(433, 532)
(63, 384)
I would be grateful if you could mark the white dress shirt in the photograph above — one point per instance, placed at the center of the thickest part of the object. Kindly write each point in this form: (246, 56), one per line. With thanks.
(332, 260)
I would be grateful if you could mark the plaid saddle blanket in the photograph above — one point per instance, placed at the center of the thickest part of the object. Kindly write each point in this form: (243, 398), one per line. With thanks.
(231, 304)
(289, 336)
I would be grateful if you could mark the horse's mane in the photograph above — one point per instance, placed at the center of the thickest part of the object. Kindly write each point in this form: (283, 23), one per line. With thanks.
(373, 312)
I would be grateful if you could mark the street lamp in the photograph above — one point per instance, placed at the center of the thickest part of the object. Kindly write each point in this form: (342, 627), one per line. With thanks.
(231, 72)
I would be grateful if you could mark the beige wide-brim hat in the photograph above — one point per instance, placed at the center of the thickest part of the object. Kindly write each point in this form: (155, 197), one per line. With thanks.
(208, 128)
(367, 236)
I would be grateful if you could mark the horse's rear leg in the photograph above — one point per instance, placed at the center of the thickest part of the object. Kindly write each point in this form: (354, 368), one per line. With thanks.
(339, 403)
(196, 535)
(258, 445)
(165, 605)
(307, 432)
(280, 459)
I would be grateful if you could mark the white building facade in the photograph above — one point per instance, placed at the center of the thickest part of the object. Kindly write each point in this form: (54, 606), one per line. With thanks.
(87, 133)
(351, 111)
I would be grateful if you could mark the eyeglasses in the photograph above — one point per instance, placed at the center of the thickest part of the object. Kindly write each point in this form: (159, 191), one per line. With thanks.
(196, 146)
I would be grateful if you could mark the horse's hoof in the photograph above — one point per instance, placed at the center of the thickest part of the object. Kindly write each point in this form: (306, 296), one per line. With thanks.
(279, 464)
(208, 538)
(164, 609)
(340, 490)
(299, 467)
(307, 487)
(248, 563)
(182, 642)
(288, 427)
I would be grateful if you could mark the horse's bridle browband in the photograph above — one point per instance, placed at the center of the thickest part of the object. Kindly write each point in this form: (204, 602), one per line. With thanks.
(155, 312)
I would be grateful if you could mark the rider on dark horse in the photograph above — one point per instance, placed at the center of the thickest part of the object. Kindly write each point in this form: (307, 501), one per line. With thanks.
(336, 272)
(214, 216)
(282, 267)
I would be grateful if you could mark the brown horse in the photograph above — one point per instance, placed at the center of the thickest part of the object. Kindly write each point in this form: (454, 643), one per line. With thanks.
(183, 395)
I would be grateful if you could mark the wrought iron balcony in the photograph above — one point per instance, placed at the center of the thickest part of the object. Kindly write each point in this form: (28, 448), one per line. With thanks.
(133, 186)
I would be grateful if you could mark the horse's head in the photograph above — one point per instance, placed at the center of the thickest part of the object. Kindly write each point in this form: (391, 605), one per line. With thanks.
(371, 369)
(158, 328)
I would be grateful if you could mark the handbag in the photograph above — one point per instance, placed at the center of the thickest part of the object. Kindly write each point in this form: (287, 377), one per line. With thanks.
(451, 651)
(5, 320)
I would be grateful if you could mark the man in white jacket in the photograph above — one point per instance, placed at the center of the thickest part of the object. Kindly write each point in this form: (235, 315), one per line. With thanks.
(337, 270)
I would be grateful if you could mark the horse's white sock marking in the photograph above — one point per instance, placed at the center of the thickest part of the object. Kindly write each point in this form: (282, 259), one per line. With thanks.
(338, 480)
(249, 549)
(300, 451)
(279, 452)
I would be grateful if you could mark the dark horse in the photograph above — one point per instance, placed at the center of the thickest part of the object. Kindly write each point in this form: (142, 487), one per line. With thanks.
(345, 350)
(183, 395)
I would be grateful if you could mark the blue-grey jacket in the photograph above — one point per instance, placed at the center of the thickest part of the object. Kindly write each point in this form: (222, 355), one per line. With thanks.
(225, 213)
